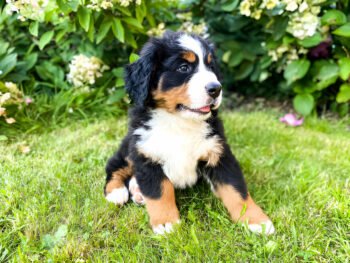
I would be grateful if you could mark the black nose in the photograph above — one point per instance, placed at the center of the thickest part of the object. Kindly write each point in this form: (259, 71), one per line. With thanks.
(213, 89)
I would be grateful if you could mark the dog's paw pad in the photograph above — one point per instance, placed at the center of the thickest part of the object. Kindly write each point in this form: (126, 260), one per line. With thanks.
(118, 196)
(162, 229)
(265, 227)
(136, 195)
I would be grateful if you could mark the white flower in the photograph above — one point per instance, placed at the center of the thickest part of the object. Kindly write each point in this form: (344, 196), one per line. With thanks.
(199, 29)
(303, 7)
(83, 71)
(5, 97)
(273, 54)
(157, 31)
(291, 5)
(303, 25)
(10, 120)
(2, 111)
(28, 9)
(98, 5)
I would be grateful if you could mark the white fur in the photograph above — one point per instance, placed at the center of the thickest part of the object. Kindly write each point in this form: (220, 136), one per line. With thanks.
(190, 43)
(196, 86)
(259, 228)
(176, 143)
(162, 229)
(118, 196)
(135, 191)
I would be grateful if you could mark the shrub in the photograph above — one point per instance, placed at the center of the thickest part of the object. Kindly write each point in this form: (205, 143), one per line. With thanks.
(74, 47)
(284, 47)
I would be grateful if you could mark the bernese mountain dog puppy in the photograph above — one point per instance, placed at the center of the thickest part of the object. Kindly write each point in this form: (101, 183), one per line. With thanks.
(175, 135)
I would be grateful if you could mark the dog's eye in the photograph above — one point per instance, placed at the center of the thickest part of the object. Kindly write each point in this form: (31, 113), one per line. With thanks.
(184, 68)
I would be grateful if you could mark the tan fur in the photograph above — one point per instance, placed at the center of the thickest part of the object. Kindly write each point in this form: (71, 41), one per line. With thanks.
(209, 58)
(236, 205)
(119, 177)
(163, 210)
(170, 99)
(189, 56)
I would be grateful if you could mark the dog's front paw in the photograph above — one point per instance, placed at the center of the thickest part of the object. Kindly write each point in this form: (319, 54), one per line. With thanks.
(136, 195)
(118, 196)
(265, 227)
(162, 229)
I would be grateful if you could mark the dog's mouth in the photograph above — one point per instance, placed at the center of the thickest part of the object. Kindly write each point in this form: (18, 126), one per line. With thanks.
(202, 110)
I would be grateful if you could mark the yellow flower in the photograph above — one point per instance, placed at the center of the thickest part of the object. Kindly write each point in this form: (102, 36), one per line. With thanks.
(257, 14)
(244, 8)
(270, 4)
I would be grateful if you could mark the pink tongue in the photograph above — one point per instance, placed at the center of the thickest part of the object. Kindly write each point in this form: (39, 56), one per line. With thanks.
(204, 109)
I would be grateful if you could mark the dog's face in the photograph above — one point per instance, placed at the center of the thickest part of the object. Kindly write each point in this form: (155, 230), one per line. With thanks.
(178, 73)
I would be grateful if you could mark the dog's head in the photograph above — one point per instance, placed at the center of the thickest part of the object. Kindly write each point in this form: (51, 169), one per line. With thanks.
(178, 73)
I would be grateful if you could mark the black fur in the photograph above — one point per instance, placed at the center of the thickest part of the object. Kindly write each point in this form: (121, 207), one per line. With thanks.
(160, 57)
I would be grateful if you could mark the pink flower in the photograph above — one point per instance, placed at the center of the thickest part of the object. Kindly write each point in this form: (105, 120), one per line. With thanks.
(291, 120)
(28, 100)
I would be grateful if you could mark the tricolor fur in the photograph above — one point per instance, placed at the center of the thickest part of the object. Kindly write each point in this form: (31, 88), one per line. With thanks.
(175, 136)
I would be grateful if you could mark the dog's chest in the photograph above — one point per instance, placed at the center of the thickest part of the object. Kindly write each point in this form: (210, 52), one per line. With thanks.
(176, 144)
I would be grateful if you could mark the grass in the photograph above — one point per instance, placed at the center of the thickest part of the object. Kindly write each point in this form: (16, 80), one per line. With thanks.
(52, 207)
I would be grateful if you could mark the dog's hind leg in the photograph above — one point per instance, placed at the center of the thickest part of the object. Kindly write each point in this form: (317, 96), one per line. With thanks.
(118, 169)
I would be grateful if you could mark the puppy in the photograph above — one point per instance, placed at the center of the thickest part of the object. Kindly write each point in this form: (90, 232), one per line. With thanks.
(175, 135)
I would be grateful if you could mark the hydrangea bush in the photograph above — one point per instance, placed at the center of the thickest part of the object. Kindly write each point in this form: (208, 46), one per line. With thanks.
(297, 48)
(54, 47)
(11, 100)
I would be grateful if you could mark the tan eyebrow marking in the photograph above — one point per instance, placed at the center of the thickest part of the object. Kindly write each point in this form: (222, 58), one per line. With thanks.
(189, 56)
(209, 58)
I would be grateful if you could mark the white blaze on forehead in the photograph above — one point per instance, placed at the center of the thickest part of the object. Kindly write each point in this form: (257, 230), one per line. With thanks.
(190, 43)
(196, 86)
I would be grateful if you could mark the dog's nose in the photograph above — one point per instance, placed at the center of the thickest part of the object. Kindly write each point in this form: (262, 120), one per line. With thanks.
(213, 89)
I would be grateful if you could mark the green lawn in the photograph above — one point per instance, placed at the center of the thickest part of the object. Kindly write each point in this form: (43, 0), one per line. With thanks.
(52, 206)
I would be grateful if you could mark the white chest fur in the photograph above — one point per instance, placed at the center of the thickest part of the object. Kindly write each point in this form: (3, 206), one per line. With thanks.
(177, 144)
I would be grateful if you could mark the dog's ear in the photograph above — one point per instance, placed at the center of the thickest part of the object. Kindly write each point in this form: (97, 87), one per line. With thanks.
(139, 76)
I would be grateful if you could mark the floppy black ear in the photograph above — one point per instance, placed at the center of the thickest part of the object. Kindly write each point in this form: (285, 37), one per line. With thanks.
(139, 75)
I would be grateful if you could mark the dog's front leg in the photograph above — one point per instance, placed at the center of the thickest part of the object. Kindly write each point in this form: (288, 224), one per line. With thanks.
(228, 184)
(163, 212)
(159, 195)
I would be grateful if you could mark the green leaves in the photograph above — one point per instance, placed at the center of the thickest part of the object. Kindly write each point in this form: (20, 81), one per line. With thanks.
(133, 57)
(7, 64)
(304, 103)
(84, 17)
(45, 39)
(344, 93)
(343, 31)
(34, 28)
(296, 70)
(333, 17)
(118, 29)
(103, 30)
(344, 68)
(50, 241)
(133, 22)
(325, 73)
(311, 41)
(230, 6)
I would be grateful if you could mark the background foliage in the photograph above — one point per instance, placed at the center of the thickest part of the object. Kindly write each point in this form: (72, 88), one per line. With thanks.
(293, 48)
(65, 57)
